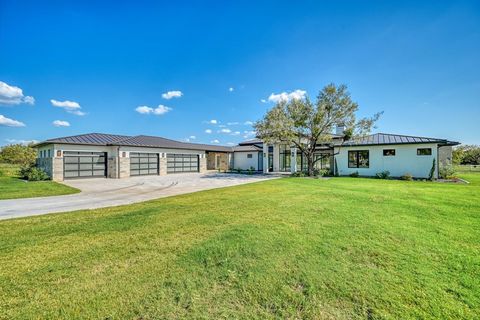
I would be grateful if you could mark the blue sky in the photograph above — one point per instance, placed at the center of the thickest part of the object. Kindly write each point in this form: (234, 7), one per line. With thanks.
(99, 62)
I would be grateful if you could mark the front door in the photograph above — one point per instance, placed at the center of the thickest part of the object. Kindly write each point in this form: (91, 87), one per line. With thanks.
(217, 161)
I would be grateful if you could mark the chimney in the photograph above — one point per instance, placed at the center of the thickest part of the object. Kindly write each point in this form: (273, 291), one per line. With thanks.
(340, 128)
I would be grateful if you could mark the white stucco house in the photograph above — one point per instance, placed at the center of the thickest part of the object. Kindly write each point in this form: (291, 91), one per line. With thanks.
(116, 156)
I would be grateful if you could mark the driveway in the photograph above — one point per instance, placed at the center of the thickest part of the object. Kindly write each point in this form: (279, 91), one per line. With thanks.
(99, 193)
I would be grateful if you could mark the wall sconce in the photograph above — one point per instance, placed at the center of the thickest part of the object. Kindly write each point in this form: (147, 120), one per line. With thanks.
(59, 153)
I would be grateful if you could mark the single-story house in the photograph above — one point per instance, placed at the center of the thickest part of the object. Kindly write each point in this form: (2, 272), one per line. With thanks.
(118, 156)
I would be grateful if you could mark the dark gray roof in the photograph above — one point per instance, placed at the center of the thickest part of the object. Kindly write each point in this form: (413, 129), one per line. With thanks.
(386, 138)
(159, 142)
(249, 142)
(247, 148)
(101, 139)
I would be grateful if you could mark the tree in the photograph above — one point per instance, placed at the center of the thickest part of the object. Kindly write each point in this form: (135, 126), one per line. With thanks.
(307, 125)
(467, 154)
(18, 154)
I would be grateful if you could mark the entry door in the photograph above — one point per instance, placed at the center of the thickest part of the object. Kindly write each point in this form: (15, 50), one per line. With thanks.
(182, 163)
(217, 161)
(84, 164)
(143, 164)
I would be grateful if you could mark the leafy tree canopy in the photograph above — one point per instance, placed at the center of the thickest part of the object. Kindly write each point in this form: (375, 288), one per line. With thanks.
(18, 154)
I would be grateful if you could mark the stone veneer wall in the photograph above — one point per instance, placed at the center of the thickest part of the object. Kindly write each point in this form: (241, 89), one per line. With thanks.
(112, 167)
(212, 158)
(57, 169)
(445, 155)
(203, 163)
(124, 168)
(162, 163)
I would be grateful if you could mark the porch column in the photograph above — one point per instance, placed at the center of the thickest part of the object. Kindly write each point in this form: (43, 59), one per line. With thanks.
(293, 161)
(265, 158)
(276, 158)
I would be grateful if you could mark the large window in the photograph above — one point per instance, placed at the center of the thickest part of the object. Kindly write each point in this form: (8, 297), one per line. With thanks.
(388, 152)
(424, 151)
(358, 159)
(285, 158)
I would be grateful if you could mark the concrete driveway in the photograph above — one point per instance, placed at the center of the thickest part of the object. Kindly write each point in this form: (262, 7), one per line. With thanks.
(99, 193)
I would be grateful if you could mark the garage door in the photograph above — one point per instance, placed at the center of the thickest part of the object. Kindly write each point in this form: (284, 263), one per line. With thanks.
(182, 163)
(143, 163)
(84, 164)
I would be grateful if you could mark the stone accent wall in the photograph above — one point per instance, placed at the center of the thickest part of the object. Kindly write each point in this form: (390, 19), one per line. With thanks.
(162, 163)
(57, 169)
(124, 167)
(212, 158)
(112, 167)
(203, 164)
(46, 165)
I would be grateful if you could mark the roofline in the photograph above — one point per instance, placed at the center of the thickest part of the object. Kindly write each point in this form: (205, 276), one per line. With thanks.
(442, 142)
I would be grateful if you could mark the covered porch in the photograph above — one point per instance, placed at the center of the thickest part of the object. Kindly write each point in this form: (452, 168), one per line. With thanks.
(283, 158)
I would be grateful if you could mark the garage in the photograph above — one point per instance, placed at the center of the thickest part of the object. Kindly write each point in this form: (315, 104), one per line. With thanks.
(177, 163)
(84, 164)
(142, 164)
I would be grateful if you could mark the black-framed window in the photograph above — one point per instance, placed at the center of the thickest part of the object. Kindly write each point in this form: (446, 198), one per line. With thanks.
(424, 151)
(249, 155)
(388, 152)
(358, 159)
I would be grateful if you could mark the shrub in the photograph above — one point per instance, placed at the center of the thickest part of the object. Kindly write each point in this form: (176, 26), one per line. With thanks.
(251, 170)
(18, 154)
(407, 177)
(298, 174)
(33, 174)
(383, 175)
(354, 174)
(447, 172)
(321, 172)
(238, 170)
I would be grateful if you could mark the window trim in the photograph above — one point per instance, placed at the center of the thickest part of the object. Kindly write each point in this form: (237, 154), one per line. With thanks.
(428, 154)
(357, 166)
(389, 150)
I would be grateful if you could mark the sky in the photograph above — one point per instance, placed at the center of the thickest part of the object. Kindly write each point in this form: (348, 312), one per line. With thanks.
(203, 71)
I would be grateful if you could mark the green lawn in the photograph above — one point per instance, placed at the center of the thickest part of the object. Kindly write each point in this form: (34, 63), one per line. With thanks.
(11, 187)
(290, 248)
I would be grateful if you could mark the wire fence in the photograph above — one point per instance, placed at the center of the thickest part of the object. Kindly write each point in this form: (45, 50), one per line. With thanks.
(468, 168)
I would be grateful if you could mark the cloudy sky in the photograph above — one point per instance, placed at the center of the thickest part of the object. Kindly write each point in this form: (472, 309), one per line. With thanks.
(204, 71)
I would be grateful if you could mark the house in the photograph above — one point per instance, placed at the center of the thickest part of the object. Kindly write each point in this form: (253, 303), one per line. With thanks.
(118, 156)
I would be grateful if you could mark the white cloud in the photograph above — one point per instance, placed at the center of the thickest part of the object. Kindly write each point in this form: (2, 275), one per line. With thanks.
(4, 121)
(222, 126)
(213, 121)
(215, 141)
(263, 101)
(248, 123)
(232, 123)
(11, 95)
(230, 143)
(69, 106)
(193, 137)
(172, 94)
(236, 133)
(158, 111)
(284, 96)
(231, 89)
(208, 131)
(61, 123)
(24, 142)
(225, 131)
(249, 134)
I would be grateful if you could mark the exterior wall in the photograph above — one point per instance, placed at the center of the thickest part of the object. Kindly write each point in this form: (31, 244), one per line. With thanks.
(240, 160)
(162, 166)
(112, 167)
(444, 156)
(202, 163)
(124, 167)
(404, 161)
(46, 164)
(57, 169)
(212, 161)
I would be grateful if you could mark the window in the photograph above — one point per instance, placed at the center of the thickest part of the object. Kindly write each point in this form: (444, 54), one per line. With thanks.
(388, 152)
(358, 159)
(249, 155)
(49, 153)
(424, 151)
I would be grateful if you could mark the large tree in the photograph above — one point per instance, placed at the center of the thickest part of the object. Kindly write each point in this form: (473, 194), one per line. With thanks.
(20, 154)
(306, 124)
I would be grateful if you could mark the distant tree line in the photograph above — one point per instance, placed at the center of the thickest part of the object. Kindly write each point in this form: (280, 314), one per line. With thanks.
(19, 154)
(467, 154)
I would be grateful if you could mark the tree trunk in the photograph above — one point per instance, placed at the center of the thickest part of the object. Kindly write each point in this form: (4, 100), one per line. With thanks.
(310, 165)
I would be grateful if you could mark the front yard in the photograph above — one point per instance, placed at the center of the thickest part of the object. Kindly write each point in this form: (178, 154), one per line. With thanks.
(290, 248)
(11, 187)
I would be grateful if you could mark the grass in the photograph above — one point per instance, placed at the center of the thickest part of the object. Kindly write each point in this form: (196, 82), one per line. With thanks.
(344, 248)
(12, 187)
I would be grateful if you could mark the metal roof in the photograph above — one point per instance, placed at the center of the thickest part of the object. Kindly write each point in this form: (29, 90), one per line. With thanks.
(249, 142)
(102, 139)
(386, 138)
(247, 148)
(159, 142)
